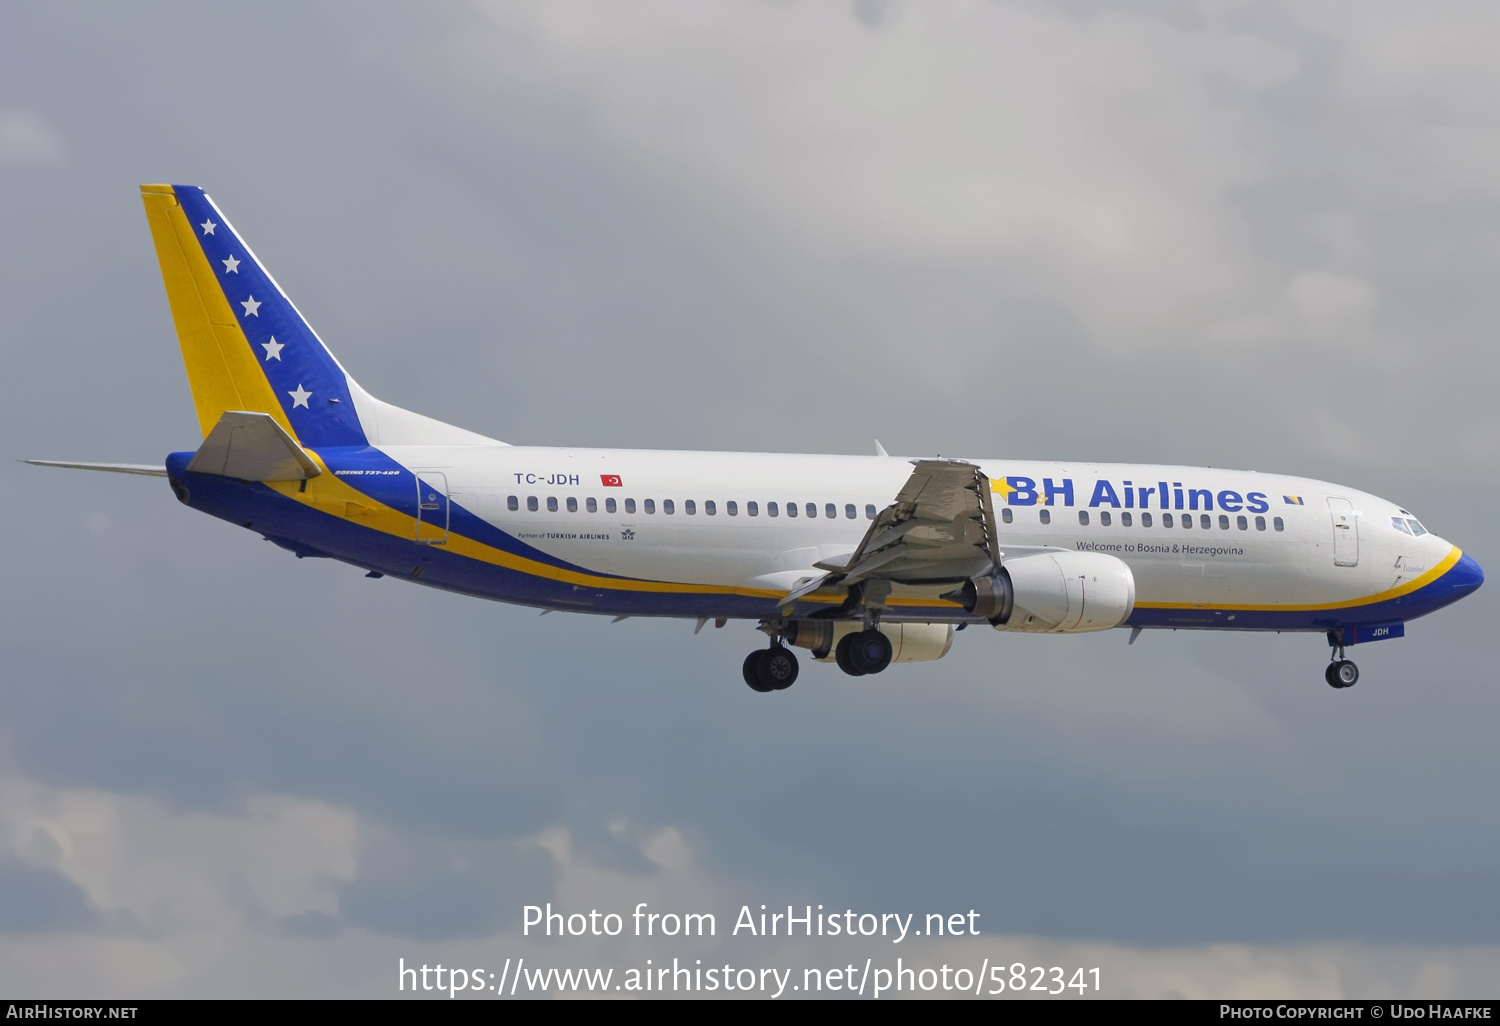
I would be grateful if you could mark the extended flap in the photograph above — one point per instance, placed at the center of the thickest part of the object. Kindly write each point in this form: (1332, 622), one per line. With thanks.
(252, 447)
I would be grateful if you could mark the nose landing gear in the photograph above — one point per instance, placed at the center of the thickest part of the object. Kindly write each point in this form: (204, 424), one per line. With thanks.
(770, 669)
(1341, 672)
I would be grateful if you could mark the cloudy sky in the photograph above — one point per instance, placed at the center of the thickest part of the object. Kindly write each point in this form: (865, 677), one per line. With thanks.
(1258, 235)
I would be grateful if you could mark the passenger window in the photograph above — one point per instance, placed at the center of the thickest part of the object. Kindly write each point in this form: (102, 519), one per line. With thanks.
(1083, 517)
(1125, 520)
(869, 511)
(732, 508)
(551, 504)
(531, 503)
(667, 506)
(831, 511)
(709, 508)
(849, 511)
(609, 505)
(512, 503)
(1242, 523)
(1223, 522)
(591, 504)
(1007, 515)
(1277, 523)
(1104, 517)
(1260, 523)
(1205, 521)
(771, 509)
(752, 508)
(690, 507)
(1046, 516)
(1166, 520)
(629, 505)
(1187, 520)
(791, 509)
(572, 504)
(650, 506)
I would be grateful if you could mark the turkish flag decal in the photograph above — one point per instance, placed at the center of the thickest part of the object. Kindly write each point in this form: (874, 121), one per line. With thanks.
(611, 480)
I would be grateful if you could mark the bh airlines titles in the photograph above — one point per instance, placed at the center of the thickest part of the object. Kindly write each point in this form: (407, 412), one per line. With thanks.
(1159, 495)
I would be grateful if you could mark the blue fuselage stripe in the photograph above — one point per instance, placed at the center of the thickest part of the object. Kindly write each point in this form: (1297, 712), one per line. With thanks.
(311, 532)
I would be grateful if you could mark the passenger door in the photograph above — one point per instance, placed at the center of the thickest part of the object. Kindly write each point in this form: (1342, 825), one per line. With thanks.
(1345, 532)
(432, 507)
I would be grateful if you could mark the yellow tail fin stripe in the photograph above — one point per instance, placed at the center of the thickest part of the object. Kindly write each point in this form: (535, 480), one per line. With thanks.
(221, 367)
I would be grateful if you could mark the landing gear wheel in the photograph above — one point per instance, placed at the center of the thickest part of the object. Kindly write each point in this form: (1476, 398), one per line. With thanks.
(752, 672)
(1346, 672)
(778, 668)
(844, 659)
(865, 652)
(1341, 673)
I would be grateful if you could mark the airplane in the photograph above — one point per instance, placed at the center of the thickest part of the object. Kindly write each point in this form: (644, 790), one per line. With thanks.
(863, 561)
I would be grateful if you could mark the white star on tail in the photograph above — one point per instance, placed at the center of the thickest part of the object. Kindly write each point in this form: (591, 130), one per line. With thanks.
(231, 266)
(208, 227)
(273, 350)
(299, 397)
(252, 307)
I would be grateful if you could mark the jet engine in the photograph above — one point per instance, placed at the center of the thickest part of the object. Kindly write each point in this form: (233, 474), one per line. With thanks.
(1058, 592)
(910, 642)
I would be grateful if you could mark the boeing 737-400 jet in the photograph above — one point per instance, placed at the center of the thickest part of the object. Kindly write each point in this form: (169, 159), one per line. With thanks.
(862, 560)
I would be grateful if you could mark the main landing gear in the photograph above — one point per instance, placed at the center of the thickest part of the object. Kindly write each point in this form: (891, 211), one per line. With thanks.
(771, 669)
(868, 651)
(1341, 672)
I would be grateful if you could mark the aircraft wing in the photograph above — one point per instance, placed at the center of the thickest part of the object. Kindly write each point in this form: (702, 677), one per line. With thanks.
(940, 529)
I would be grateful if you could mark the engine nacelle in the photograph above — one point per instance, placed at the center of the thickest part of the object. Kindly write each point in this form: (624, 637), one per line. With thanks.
(910, 642)
(1061, 592)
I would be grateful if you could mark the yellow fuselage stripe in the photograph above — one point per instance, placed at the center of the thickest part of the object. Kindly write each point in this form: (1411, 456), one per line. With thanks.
(331, 495)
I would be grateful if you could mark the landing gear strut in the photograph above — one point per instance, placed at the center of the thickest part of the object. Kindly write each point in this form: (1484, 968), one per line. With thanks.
(1341, 672)
(771, 669)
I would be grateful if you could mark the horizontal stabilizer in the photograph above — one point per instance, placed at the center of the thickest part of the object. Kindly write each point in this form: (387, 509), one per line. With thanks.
(149, 469)
(252, 447)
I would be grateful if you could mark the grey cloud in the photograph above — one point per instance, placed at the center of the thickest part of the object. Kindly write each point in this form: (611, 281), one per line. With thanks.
(874, 14)
(427, 888)
(26, 138)
(36, 899)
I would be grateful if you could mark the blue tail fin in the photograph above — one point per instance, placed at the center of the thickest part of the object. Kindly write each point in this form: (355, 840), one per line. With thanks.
(246, 346)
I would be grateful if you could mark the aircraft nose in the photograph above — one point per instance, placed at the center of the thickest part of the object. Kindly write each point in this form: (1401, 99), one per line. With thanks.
(1465, 577)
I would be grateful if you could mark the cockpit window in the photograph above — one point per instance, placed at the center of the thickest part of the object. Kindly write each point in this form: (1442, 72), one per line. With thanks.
(1400, 525)
(1416, 528)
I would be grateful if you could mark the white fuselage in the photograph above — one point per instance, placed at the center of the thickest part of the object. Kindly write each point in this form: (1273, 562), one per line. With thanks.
(707, 519)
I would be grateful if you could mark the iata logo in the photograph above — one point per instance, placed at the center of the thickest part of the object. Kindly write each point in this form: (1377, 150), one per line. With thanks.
(611, 481)
(627, 534)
